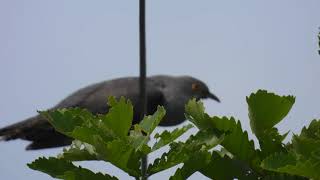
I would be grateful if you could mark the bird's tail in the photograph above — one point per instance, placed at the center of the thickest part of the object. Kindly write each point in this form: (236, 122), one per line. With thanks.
(2, 138)
(38, 131)
(16, 130)
(7, 134)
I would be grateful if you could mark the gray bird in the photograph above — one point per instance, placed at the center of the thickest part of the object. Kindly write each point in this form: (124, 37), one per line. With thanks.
(169, 91)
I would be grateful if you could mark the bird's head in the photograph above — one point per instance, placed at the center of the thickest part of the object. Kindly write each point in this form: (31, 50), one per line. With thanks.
(177, 91)
(197, 89)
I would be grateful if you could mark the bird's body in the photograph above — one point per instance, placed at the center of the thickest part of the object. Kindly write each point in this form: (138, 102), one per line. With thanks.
(168, 91)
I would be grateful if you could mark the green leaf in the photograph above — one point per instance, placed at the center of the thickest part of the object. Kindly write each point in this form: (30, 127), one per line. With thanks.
(196, 114)
(206, 139)
(308, 142)
(116, 122)
(66, 120)
(66, 170)
(271, 142)
(223, 167)
(313, 130)
(119, 117)
(181, 152)
(291, 164)
(267, 109)
(305, 146)
(149, 123)
(224, 152)
(120, 153)
(198, 160)
(79, 151)
(139, 141)
(235, 140)
(88, 135)
(77, 123)
(215, 167)
(176, 155)
(102, 137)
(279, 160)
(140, 134)
(167, 137)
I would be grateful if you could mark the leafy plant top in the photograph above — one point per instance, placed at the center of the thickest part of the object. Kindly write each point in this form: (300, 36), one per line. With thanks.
(112, 138)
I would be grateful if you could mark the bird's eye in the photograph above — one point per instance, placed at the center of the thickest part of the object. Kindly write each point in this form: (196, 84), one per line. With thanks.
(195, 87)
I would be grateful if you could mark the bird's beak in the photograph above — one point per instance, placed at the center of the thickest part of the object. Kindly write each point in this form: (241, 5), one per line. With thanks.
(214, 97)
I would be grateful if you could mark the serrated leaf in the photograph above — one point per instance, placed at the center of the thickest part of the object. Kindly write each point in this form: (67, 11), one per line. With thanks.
(139, 141)
(279, 160)
(196, 161)
(150, 122)
(176, 155)
(267, 109)
(66, 170)
(116, 122)
(120, 154)
(87, 135)
(291, 164)
(223, 167)
(271, 142)
(140, 134)
(215, 167)
(305, 146)
(167, 137)
(312, 131)
(119, 117)
(196, 114)
(180, 152)
(206, 139)
(66, 120)
(235, 140)
(79, 151)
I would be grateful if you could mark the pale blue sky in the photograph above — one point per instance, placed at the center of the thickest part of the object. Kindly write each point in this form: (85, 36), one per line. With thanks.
(48, 49)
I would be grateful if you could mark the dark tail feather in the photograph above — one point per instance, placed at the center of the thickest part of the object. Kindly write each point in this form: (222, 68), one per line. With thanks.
(10, 132)
(38, 131)
(18, 130)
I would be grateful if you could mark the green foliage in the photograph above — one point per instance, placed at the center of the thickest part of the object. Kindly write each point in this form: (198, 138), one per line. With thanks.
(303, 159)
(267, 109)
(235, 140)
(62, 169)
(117, 121)
(79, 151)
(112, 138)
(290, 163)
(167, 137)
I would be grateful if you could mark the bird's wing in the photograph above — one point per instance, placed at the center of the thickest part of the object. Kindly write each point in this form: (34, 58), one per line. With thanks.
(95, 98)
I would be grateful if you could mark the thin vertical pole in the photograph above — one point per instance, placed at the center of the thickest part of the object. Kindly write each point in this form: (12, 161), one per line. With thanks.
(143, 70)
(319, 41)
